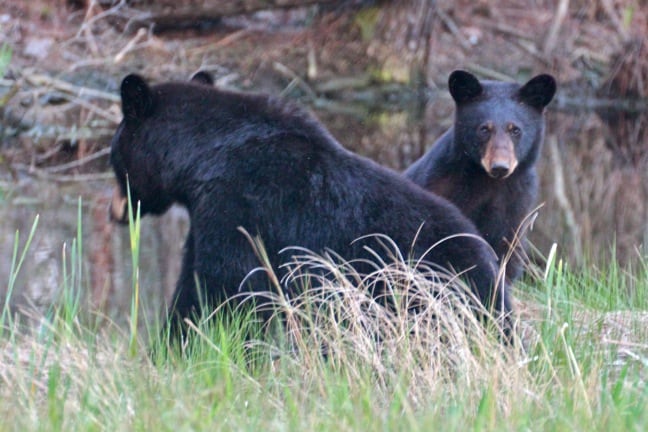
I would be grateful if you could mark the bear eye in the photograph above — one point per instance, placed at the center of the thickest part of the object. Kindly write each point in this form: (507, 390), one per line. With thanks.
(514, 131)
(484, 130)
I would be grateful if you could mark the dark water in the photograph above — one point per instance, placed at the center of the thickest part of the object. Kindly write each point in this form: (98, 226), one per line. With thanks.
(594, 194)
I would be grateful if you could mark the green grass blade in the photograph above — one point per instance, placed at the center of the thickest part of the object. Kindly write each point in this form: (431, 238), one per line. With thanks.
(134, 229)
(15, 269)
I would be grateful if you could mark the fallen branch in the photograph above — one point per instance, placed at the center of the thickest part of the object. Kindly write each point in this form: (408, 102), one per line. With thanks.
(44, 175)
(168, 15)
(79, 162)
(40, 80)
(589, 103)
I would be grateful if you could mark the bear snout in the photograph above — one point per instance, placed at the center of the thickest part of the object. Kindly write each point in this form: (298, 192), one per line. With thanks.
(499, 160)
(118, 207)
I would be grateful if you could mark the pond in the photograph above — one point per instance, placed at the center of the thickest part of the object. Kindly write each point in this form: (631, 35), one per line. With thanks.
(594, 195)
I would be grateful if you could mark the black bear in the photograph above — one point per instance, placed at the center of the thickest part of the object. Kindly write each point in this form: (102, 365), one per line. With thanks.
(486, 163)
(260, 163)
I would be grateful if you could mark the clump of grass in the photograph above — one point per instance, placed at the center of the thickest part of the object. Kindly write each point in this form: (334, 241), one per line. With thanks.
(395, 312)
(406, 327)
(68, 307)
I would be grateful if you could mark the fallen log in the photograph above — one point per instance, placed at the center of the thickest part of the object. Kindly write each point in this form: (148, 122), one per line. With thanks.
(169, 14)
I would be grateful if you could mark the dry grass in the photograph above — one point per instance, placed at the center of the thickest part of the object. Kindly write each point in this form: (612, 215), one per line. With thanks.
(420, 330)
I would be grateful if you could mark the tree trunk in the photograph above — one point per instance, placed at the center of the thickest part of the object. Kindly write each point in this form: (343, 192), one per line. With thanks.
(401, 46)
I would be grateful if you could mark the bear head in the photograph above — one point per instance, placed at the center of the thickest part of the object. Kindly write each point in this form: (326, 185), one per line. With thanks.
(499, 125)
(133, 156)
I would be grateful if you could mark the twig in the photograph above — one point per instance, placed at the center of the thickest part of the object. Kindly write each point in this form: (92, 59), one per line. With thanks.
(634, 356)
(99, 111)
(88, 21)
(532, 49)
(296, 80)
(227, 40)
(10, 94)
(516, 36)
(343, 108)
(588, 55)
(624, 343)
(609, 10)
(311, 58)
(344, 83)
(40, 158)
(87, 30)
(44, 80)
(504, 29)
(78, 162)
(559, 17)
(42, 174)
(561, 197)
(488, 73)
(454, 29)
(131, 45)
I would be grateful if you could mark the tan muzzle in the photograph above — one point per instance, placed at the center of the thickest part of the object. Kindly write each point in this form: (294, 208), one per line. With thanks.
(499, 161)
(118, 206)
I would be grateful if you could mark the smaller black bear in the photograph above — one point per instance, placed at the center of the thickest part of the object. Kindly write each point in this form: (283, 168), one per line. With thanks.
(254, 161)
(486, 163)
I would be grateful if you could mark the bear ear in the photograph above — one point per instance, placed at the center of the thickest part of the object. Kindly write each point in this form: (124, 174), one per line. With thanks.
(136, 96)
(464, 86)
(538, 92)
(203, 78)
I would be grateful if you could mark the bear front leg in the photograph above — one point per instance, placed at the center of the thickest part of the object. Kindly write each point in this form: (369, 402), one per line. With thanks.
(511, 238)
(185, 302)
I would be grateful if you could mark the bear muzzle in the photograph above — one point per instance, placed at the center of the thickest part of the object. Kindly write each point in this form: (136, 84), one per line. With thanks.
(118, 210)
(499, 160)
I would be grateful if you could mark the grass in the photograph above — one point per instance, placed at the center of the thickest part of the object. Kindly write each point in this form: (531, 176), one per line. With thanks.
(5, 59)
(584, 366)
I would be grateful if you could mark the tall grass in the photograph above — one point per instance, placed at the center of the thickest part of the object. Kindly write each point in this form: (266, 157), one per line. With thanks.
(5, 59)
(336, 358)
(17, 260)
(134, 230)
(69, 306)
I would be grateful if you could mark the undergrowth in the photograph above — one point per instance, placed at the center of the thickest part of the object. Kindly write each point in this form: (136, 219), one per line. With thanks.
(336, 358)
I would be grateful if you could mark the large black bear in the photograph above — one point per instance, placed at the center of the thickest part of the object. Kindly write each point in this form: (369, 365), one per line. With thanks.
(486, 163)
(257, 162)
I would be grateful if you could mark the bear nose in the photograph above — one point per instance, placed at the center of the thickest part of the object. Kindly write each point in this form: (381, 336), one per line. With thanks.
(499, 170)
